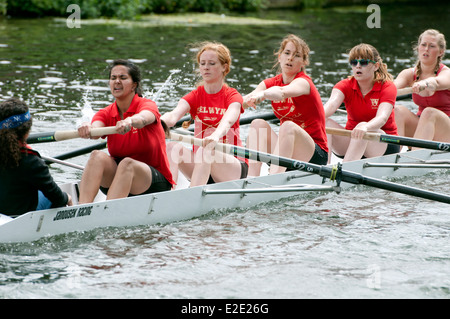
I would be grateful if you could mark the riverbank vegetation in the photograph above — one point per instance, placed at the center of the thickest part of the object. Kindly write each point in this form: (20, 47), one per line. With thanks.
(124, 9)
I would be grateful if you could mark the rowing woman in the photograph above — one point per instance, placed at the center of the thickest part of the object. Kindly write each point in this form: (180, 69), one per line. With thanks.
(215, 108)
(25, 181)
(296, 102)
(137, 161)
(369, 96)
(430, 81)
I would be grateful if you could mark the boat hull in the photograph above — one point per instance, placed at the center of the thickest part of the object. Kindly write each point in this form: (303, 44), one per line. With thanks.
(184, 204)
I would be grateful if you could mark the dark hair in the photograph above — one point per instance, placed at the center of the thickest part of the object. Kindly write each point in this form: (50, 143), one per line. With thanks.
(133, 71)
(12, 139)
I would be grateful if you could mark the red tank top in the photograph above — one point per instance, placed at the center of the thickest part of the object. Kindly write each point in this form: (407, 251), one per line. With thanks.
(439, 100)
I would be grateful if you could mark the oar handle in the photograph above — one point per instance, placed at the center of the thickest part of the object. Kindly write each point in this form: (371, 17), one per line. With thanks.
(224, 148)
(95, 132)
(341, 132)
(66, 135)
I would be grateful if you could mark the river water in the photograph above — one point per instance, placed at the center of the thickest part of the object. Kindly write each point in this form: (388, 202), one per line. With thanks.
(362, 243)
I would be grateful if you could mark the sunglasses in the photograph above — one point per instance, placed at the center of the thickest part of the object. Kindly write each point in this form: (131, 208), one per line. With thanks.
(362, 62)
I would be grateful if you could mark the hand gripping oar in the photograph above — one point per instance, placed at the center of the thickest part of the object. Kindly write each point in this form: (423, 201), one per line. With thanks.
(330, 172)
(66, 135)
(394, 139)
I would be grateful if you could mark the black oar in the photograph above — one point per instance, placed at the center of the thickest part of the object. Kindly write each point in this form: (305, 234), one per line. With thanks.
(81, 151)
(394, 139)
(330, 172)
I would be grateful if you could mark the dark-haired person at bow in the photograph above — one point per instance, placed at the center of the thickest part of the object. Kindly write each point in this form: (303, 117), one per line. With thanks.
(25, 180)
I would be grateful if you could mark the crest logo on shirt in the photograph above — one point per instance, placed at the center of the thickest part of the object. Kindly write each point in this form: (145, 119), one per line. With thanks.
(374, 103)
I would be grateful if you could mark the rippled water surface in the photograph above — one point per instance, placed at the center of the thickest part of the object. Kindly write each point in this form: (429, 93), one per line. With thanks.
(361, 243)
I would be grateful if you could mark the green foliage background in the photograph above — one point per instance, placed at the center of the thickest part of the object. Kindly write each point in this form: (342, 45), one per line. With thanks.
(124, 9)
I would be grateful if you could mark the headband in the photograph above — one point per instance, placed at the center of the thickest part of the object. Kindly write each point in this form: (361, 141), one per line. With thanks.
(15, 120)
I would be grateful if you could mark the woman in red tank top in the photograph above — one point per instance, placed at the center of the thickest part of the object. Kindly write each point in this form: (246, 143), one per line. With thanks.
(430, 81)
(369, 96)
(296, 102)
(215, 108)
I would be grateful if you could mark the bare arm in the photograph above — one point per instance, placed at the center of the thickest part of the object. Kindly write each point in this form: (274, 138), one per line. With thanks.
(404, 79)
(383, 113)
(255, 97)
(277, 93)
(171, 118)
(432, 84)
(295, 88)
(229, 118)
(138, 120)
(333, 103)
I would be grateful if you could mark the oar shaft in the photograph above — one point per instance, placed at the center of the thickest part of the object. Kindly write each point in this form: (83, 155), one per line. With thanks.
(324, 171)
(394, 139)
(55, 160)
(415, 142)
(66, 135)
(341, 132)
(81, 151)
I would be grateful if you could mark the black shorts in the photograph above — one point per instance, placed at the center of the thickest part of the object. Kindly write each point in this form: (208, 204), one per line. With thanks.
(390, 149)
(159, 184)
(244, 172)
(320, 157)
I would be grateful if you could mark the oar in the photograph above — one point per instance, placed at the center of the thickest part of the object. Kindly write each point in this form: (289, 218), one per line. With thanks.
(55, 160)
(66, 135)
(330, 172)
(394, 139)
(81, 151)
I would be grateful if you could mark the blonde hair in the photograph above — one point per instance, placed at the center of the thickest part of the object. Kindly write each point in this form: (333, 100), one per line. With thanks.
(300, 46)
(367, 51)
(441, 43)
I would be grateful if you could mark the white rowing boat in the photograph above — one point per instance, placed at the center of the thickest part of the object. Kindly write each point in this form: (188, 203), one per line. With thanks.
(187, 203)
